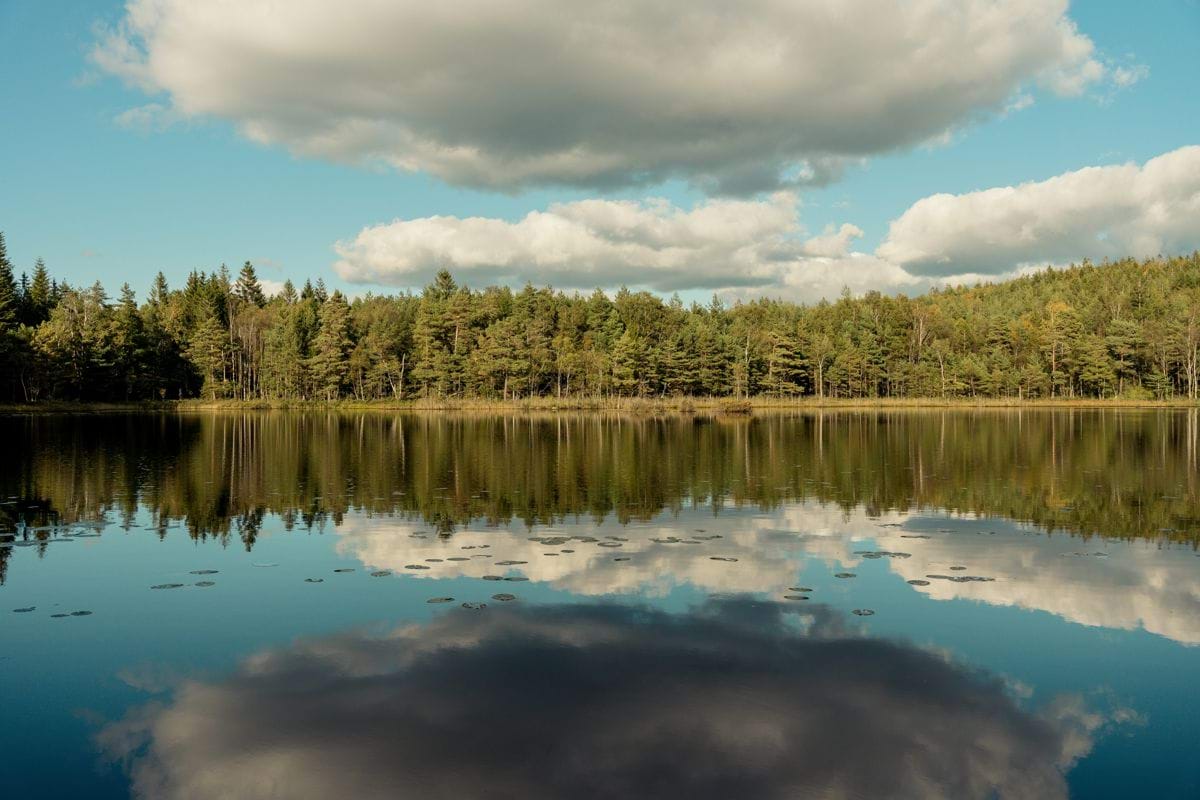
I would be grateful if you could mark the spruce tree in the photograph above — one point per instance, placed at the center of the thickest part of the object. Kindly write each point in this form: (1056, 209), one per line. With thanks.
(38, 300)
(331, 348)
(248, 289)
(10, 300)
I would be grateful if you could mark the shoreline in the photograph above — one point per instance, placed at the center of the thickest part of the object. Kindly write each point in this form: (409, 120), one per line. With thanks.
(630, 405)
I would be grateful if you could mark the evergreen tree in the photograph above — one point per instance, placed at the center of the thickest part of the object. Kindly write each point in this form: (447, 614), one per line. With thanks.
(10, 299)
(331, 348)
(247, 289)
(38, 299)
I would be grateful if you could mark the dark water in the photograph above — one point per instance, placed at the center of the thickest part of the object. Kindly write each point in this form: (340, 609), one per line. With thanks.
(923, 604)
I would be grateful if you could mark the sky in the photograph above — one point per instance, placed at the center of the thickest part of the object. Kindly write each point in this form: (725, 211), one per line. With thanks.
(758, 148)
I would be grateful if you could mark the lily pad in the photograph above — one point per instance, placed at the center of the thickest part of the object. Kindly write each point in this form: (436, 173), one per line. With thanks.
(863, 612)
(918, 582)
(24, 610)
(203, 572)
(504, 597)
(314, 580)
(961, 578)
(440, 600)
(845, 575)
(381, 573)
(81, 613)
(167, 586)
(415, 566)
(205, 584)
(722, 558)
(516, 578)
(474, 606)
(795, 597)
(493, 577)
(510, 563)
(344, 569)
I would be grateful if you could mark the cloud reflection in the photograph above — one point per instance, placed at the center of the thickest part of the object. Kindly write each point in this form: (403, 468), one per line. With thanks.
(735, 698)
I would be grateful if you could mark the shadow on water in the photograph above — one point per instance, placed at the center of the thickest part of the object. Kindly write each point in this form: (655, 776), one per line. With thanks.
(732, 699)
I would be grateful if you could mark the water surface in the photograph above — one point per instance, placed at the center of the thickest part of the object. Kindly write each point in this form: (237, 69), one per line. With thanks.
(905, 604)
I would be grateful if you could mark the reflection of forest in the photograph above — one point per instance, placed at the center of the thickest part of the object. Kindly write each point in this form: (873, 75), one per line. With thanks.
(1127, 474)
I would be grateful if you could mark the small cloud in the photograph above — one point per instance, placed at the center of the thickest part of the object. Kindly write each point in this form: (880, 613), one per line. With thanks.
(270, 288)
(269, 263)
(1018, 103)
(1124, 77)
(150, 118)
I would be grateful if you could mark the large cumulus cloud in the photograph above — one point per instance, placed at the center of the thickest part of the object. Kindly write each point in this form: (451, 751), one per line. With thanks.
(733, 96)
(718, 244)
(1096, 212)
(760, 247)
(734, 699)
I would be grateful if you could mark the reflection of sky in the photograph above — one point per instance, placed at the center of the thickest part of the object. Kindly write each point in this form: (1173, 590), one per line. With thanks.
(77, 671)
(1131, 585)
(599, 701)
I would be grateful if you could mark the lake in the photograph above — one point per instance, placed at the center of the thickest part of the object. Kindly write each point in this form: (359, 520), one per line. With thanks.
(992, 603)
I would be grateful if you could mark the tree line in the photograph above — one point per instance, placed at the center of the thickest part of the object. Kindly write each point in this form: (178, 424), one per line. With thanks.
(1129, 328)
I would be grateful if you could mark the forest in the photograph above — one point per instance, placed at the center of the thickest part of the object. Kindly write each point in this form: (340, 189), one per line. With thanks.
(1128, 329)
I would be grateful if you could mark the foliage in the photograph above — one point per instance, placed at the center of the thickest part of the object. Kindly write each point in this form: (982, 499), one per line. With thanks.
(1126, 329)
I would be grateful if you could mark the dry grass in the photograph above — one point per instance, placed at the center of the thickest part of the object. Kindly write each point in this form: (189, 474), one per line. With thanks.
(626, 405)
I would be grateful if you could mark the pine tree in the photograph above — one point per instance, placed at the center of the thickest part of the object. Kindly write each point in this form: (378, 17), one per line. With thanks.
(10, 300)
(248, 289)
(207, 349)
(129, 344)
(331, 348)
(38, 301)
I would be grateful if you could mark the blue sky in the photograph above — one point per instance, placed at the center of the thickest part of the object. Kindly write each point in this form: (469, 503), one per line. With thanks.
(99, 200)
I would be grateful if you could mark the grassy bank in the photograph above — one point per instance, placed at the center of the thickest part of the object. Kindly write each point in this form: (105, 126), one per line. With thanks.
(609, 404)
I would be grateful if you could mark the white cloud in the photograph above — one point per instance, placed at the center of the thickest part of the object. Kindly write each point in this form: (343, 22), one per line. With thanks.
(1095, 212)
(833, 244)
(270, 287)
(514, 93)
(152, 117)
(746, 246)
(1123, 77)
(749, 248)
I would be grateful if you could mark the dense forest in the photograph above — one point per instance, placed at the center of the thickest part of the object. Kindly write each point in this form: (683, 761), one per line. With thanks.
(1127, 329)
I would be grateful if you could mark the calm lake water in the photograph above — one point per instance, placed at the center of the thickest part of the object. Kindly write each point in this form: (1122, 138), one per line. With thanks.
(903, 604)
